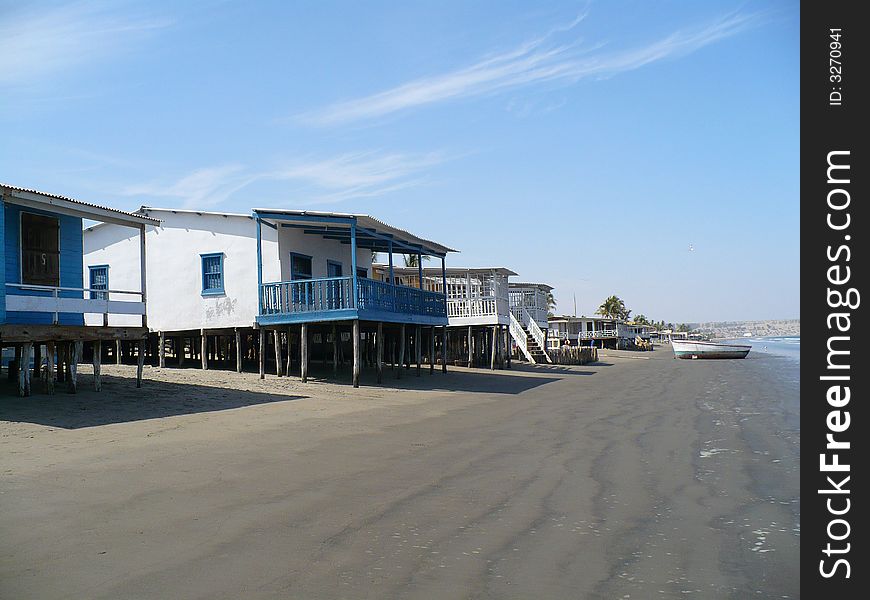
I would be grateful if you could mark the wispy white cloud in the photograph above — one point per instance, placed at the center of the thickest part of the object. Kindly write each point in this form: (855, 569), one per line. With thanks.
(39, 40)
(541, 60)
(302, 182)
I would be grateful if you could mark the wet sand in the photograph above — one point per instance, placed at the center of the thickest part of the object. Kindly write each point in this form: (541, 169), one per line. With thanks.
(639, 477)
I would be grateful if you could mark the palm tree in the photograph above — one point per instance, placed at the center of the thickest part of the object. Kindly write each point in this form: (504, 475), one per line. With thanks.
(613, 308)
(411, 259)
(641, 320)
(551, 303)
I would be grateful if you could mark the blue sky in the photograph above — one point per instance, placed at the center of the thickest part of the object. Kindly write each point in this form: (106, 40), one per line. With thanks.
(587, 145)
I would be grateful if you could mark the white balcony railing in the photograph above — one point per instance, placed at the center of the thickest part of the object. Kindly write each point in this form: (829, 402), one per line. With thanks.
(56, 300)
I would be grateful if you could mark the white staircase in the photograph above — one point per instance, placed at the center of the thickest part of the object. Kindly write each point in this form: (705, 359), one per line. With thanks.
(529, 338)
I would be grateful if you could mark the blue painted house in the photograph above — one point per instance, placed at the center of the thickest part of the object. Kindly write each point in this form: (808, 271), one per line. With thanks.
(45, 293)
(326, 285)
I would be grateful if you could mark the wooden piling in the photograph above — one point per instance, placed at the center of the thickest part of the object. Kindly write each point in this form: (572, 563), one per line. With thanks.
(49, 367)
(24, 369)
(261, 353)
(140, 362)
(418, 347)
(203, 349)
(431, 350)
(72, 380)
(401, 352)
(444, 348)
(97, 359)
(356, 353)
(279, 364)
(238, 351)
(470, 349)
(380, 351)
(161, 350)
(303, 352)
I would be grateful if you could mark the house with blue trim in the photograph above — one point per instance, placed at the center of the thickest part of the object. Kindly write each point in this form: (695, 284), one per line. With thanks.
(276, 289)
(45, 297)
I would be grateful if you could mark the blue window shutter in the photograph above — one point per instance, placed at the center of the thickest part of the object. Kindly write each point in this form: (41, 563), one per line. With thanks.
(212, 273)
(99, 281)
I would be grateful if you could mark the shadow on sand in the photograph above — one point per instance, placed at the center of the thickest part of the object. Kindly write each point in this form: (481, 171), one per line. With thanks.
(121, 402)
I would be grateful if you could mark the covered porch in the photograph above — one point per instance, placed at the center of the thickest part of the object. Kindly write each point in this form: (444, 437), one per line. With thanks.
(315, 250)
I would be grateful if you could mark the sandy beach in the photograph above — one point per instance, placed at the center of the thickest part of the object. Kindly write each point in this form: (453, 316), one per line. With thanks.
(636, 477)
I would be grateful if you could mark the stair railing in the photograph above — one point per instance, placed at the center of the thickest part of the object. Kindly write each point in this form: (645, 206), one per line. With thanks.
(519, 336)
(537, 334)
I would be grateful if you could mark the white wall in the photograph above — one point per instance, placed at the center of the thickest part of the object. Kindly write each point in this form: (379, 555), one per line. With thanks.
(321, 250)
(174, 271)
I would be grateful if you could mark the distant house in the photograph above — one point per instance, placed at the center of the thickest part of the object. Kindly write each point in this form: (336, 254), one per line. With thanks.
(48, 300)
(303, 276)
(596, 331)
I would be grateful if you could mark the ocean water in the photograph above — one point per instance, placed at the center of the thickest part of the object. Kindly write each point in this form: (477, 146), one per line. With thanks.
(786, 346)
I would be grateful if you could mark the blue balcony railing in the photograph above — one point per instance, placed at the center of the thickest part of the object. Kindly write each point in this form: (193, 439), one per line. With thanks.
(336, 293)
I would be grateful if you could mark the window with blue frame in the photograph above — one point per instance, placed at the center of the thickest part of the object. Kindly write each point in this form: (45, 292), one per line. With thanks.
(212, 273)
(99, 280)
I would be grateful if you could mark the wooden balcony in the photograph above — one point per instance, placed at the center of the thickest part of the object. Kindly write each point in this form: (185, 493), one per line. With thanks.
(333, 299)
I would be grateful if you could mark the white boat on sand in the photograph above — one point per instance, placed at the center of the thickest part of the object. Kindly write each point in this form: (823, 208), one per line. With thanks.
(698, 349)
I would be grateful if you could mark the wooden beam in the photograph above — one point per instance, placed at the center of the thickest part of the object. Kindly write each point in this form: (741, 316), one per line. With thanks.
(507, 345)
(334, 348)
(180, 350)
(118, 352)
(72, 381)
(24, 370)
(49, 367)
(356, 355)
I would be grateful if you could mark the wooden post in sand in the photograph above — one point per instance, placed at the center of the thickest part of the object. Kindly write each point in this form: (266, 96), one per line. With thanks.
(507, 346)
(444, 348)
(179, 350)
(140, 362)
(470, 349)
(118, 351)
(98, 357)
(401, 361)
(356, 355)
(279, 364)
(204, 349)
(161, 350)
(380, 351)
(431, 350)
(72, 381)
(493, 350)
(334, 348)
(238, 351)
(261, 353)
(24, 369)
(303, 352)
(418, 347)
(49, 367)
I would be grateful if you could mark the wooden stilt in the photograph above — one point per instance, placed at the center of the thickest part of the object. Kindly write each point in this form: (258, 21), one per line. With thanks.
(334, 348)
(180, 351)
(15, 365)
(303, 352)
(418, 349)
(470, 349)
(49, 367)
(356, 353)
(24, 369)
(238, 351)
(401, 357)
(72, 380)
(507, 346)
(37, 360)
(279, 364)
(161, 350)
(380, 351)
(98, 356)
(289, 351)
(392, 351)
(140, 362)
(118, 352)
(431, 350)
(492, 349)
(203, 349)
(261, 353)
(62, 351)
(444, 348)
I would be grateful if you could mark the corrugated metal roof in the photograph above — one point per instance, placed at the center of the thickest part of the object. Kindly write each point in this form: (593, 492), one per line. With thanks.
(449, 270)
(137, 218)
(363, 220)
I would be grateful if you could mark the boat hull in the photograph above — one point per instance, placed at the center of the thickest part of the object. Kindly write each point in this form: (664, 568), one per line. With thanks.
(689, 350)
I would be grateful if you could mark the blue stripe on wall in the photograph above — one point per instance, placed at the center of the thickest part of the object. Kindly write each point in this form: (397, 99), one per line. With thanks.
(71, 269)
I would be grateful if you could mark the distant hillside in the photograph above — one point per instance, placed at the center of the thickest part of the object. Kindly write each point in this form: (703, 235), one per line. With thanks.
(736, 329)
